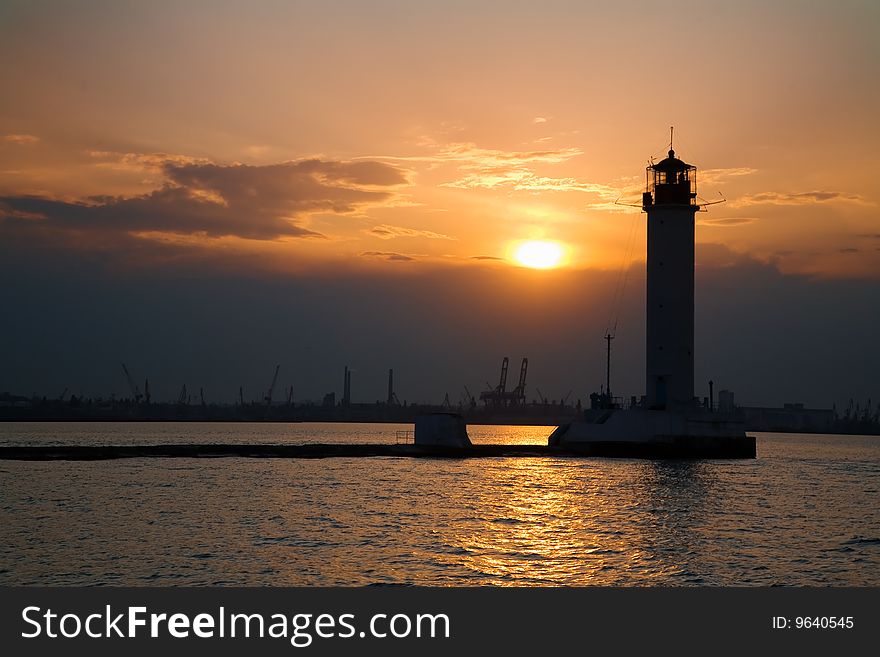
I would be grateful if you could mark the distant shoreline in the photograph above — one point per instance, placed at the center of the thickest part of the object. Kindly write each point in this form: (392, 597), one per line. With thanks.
(857, 429)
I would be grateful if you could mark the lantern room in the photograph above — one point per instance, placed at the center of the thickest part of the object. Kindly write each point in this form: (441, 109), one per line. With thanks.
(670, 182)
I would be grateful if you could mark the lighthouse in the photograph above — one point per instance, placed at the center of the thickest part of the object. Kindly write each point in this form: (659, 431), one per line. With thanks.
(670, 201)
(668, 423)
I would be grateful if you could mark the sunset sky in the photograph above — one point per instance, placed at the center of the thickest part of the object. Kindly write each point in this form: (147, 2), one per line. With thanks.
(204, 189)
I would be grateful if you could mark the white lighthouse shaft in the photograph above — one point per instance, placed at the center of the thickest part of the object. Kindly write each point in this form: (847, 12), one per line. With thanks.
(670, 205)
(670, 307)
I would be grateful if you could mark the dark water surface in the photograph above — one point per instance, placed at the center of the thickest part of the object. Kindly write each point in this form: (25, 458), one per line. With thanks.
(806, 512)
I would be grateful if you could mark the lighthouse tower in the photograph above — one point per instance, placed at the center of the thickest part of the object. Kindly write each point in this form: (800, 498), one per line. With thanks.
(670, 203)
(669, 424)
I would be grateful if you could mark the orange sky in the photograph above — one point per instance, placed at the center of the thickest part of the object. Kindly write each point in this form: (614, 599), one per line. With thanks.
(328, 184)
(486, 124)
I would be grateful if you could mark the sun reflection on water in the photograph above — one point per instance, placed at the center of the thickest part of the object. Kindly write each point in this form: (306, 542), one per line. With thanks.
(564, 521)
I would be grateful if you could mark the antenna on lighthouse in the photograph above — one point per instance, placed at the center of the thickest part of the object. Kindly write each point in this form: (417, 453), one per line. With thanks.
(671, 130)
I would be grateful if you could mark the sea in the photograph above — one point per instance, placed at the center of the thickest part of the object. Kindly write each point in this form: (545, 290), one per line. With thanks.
(806, 512)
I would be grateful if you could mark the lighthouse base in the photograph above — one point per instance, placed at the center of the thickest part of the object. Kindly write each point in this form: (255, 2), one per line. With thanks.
(651, 434)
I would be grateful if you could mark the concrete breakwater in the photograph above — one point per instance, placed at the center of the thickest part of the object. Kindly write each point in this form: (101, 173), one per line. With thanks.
(673, 449)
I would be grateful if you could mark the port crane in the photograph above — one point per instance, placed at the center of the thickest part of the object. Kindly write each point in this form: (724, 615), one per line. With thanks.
(268, 397)
(496, 395)
(135, 392)
(518, 396)
(499, 396)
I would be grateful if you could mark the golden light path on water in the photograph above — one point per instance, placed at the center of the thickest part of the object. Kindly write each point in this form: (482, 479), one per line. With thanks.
(803, 513)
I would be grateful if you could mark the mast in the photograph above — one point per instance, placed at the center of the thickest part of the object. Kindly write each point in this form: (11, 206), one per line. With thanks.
(608, 339)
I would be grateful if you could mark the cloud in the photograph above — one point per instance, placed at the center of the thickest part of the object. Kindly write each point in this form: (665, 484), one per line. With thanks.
(797, 198)
(492, 169)
(716, 254)
(543, 183)
(21, 139)
(613, 206)
(151, 162)
(719, 175)
(526, 180)
(253, 202)
(727, 221)
(387, 232)
(170, 209)
(388, 255)
(309, 185)
(485, 168)
(485, 257)
(848, 250)
(473, 157)
(539, 119)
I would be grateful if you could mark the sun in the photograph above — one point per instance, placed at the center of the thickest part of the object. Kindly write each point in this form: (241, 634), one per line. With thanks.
(538, 254)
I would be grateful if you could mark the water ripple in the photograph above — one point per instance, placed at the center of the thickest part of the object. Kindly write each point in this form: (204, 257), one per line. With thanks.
(805, 513)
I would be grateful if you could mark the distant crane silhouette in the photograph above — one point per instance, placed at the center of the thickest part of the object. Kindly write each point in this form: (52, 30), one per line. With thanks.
(135, 393)
(268, 397)
(541, 396)
(519, 393)
(495, 395)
